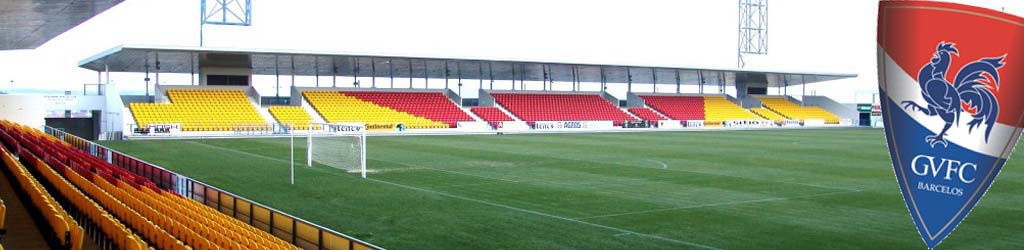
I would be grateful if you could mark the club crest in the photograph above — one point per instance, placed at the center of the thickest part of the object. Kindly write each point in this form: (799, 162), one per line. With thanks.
(951, 105)
(970, 92)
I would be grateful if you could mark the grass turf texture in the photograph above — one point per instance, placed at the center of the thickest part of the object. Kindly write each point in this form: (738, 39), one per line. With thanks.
(779, 189)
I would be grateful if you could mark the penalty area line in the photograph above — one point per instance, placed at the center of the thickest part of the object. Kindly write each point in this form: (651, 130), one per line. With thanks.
(717, 204)
(523, 210)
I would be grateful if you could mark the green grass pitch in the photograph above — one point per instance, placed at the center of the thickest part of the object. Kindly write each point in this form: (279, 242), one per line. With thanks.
(775, 189)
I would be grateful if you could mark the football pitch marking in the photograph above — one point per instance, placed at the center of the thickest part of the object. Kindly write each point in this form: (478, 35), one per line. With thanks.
(622, 232)
(663, 165)
(240, 152)
(717, 204)
(449, 171)
(579, 220)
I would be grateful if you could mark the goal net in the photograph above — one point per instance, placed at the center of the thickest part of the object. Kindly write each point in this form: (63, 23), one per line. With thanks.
(337, 145)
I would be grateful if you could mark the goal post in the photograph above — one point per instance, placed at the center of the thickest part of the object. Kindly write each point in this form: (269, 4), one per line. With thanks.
(337, 145)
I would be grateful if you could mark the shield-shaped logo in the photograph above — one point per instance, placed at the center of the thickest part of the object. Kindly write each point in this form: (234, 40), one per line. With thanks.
(950, 81)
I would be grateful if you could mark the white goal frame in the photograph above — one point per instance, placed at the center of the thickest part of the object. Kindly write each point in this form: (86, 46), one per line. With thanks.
(349, 129)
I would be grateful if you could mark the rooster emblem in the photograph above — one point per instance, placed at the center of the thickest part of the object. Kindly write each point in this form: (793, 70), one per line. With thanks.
(970, 92)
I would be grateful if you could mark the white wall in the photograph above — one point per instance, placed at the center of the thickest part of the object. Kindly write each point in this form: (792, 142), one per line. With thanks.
(24, 109)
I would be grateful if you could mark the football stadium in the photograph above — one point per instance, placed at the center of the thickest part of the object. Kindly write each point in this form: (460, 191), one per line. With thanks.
(360, 125)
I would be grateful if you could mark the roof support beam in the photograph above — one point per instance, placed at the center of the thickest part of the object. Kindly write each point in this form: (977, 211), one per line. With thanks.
(292, 72)
(679, 84)
(316, 70)
(277, 77)
(629, 80)
(355, 71)
(513, 76)
(700, 78)
(604, 80)
(654, 80)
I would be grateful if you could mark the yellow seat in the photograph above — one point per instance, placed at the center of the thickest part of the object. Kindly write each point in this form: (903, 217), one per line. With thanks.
(718, 109)
(335, 106)
(200, 110)
(791, 110)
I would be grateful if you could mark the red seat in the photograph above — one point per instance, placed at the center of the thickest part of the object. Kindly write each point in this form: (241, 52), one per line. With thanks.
(677, 107)
(431, 105)
(646, 114)
(561, 107)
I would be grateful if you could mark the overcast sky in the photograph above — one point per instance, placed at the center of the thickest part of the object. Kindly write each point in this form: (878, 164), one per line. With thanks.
(804, 36)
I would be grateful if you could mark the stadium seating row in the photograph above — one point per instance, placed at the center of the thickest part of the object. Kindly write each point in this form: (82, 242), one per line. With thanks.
(291, 115)
(680, 108)
(336, 106)
(64, 229)
(718, 109)
(712, 109)
(561, 107)
(121, 235)
(794, 111)
(201, 110)
(163, 222)
(646, 114)
(431, 105)
(491, 115)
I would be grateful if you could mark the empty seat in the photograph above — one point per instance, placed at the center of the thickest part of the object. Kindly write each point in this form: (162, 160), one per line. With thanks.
(532, 107)
(337, 106)
(294, 116)
(646, 114)
(791, 110)
(677, 107)
(109, 196)
(492, 115)
(718, 109)
(431, 105)
(201, 110)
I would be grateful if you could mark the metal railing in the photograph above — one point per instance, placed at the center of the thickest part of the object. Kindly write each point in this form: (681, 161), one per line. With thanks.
(297, 231)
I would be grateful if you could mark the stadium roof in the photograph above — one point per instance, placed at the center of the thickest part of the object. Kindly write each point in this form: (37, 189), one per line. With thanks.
(27, 24)
(187, 60)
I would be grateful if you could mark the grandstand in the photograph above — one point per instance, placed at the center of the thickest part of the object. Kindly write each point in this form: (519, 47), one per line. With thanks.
(428, 109)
